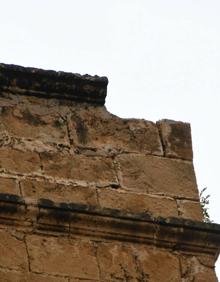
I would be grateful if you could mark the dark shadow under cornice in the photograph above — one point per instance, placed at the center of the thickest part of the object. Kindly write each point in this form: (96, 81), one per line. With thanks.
(44, 215)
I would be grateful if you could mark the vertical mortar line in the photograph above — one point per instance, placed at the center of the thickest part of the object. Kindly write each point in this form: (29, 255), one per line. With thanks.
(180, 266)
(19, 187)
(178, 207)
(161, 139)
(117, 171)
(68, 130)
(28, 255)
(97, 258)
(97, 196)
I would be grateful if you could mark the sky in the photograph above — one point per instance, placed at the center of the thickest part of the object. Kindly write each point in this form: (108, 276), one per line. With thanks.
(162, 60)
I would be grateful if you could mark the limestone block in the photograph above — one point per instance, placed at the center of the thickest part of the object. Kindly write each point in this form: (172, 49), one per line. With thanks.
(116, 263)
(79, 167)
(176, 139)
(9, 276)
(149, 174)
(59, 192)
(137, 203)
(157, 264)
(13, 251)
(34, 122)
(62, 256)
(9, 186)
(193, 270)
(18, 161)
(127, 262)
(190, 209)
(108, 132)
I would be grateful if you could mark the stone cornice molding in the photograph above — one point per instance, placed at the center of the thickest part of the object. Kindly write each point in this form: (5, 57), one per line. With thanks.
(51, 84)
(44, 215)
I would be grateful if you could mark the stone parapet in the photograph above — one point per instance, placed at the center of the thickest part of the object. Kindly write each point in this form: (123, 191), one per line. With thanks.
(88, 196)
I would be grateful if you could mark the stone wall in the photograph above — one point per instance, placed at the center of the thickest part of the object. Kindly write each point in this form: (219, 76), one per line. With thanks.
(88, 196)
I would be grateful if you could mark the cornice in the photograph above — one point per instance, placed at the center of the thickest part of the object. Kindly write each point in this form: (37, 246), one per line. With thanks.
(46, 216)
(51, 84)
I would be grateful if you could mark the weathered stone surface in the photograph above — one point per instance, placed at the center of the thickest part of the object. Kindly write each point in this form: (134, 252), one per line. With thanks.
(116, 263)
(9, 276)
(59, 192)
(176, 139)
(156, 264)
(151, 174)
(124, 262)
(192, 270)
(110, 133)
(97, 191)
(13, 251)
(137, 203)
(79, 167)
(9, 185)
(62, 256)
(18, 161)
(82, 280)
(34, 122)
(190, 209)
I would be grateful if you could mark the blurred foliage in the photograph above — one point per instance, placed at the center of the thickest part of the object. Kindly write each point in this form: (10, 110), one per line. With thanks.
(204, 201)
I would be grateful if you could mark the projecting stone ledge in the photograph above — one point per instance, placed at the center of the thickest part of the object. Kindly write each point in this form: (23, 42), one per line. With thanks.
(52, 84)
(44, 215)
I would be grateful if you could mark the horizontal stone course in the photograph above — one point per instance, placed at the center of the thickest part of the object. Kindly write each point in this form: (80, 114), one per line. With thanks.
(19, 161)
(149, 174)
(110, 133)
(59, 192)
(132, 202)
(79, 167)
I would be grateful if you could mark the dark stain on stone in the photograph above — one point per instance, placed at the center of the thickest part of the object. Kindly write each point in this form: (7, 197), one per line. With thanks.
(31, 119)
(81, 131)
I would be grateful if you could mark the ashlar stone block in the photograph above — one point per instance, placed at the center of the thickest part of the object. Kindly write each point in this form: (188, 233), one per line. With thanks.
(176, 139)
(63, 256)
(150, 174)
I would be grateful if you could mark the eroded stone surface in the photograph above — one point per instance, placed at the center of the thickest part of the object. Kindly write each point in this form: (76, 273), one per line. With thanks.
(13, 251)
(193, 270)
(150, 174)
(190, 209)
(9, 185)
(59, 192)
(34, 122)
(62, 256)
(123, 262)
(60, 149)
(10, 276)
(137, 203)
(18, 161)
(79, 167)
(108, 132)
(176, 139)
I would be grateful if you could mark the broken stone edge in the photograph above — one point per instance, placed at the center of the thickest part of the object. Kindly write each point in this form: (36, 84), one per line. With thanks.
(51, 84)
(44, 215)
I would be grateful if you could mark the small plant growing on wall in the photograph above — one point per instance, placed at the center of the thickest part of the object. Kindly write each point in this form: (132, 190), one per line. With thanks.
(204, 201)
